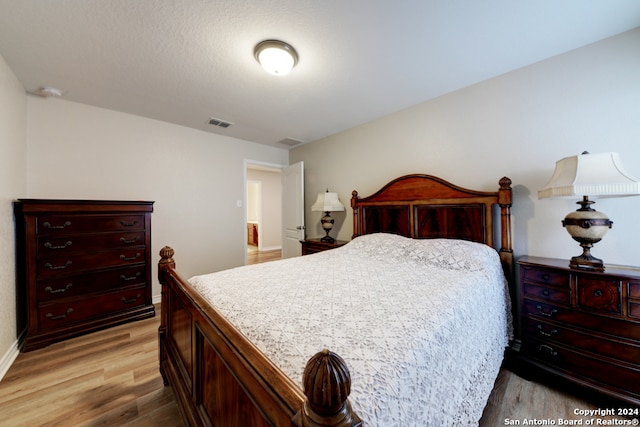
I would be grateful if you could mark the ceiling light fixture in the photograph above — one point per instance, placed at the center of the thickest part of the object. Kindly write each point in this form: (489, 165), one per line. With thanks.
(276, 57)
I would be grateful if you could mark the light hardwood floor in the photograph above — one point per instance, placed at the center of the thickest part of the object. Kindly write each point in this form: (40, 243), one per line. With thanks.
(254, 256)
(107, 378)
(111, 378)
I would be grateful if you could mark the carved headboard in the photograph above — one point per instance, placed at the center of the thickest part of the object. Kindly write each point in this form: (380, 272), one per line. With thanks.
(425, 206)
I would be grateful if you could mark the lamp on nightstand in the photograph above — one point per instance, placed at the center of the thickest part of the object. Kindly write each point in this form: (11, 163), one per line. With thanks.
(597, 175)
(327, 202)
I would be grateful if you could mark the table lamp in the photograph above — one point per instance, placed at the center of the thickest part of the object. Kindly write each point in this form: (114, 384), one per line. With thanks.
(327, 202)
(595, 175)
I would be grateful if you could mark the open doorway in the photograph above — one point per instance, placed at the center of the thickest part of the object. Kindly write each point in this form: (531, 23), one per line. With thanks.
(263, 201)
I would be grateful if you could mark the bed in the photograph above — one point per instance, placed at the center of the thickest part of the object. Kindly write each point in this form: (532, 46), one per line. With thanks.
(340, 352)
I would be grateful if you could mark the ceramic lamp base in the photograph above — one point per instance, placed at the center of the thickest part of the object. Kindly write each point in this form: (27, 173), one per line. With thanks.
(587, 226)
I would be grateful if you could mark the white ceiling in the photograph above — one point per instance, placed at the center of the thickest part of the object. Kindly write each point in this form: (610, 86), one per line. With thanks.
(184, 61)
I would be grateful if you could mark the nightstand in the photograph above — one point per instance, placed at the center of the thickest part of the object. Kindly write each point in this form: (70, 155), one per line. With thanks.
(581, 325)
(311, 246)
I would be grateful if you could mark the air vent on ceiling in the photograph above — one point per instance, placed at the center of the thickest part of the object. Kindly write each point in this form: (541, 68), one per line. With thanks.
(220, 123)
(290, 142)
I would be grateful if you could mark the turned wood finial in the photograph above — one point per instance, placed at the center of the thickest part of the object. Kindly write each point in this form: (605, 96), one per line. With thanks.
(166, 254)
(327, 384)
(505, 183)
(166, 259)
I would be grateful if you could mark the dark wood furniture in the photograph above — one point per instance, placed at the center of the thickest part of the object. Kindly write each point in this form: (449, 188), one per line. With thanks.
(82, 266)
(221, 378)
(583, 326)
(252, 233)
(312, 246)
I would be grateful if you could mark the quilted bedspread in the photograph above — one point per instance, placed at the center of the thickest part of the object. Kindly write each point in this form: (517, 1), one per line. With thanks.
(422, 324)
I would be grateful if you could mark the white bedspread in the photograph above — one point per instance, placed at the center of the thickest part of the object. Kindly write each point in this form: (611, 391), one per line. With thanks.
(422, 324)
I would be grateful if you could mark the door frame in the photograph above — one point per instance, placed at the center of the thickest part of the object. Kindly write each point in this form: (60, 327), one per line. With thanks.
(247, 164)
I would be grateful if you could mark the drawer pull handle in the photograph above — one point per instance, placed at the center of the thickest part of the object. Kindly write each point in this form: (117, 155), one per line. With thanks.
(130, 301)
(548, 349)
(60, 316)
(123, 240)
(546, 292)
(57, 291)
(544, 313)
(598, 293)
(128, 224)
(126, 279)
(131, 258)
(58, 267)
(547, 334)
(48, 245)
(57, 227)
(546, 277)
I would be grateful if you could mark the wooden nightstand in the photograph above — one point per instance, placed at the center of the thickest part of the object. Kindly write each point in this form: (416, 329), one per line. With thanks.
(582, 326)
(311, 246)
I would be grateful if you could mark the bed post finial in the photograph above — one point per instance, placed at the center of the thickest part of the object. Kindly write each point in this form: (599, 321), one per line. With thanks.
(166, 260)
(327, 383)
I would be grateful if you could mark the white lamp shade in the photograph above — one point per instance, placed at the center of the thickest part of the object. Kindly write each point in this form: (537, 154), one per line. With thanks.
(600, 175)
(327, 202)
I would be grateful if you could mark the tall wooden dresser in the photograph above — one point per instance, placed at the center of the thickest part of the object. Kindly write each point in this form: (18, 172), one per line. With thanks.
(82, 266)
(583, 326)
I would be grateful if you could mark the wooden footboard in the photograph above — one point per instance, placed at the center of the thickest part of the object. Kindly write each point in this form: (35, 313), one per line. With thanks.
(220, 378)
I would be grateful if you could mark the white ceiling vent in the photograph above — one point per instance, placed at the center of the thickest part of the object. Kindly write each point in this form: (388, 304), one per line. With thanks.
(220, 123)
(290, 142)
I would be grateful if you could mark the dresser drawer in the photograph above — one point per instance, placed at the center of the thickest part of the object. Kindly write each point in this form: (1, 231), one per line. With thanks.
(553, 334)
(587, 321)
(546, 277)
(54, 266)
(548, 293)
(599, 294)
(53, 245)
(602, 371)
(73, 286)
(47, 225)
(65, 312)
(634, 290)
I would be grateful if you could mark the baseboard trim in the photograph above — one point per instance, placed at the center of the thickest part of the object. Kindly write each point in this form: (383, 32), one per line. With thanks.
(270, 248)
(8, 358)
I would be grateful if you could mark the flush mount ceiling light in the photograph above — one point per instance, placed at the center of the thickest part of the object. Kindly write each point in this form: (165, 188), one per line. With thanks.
(275, 56)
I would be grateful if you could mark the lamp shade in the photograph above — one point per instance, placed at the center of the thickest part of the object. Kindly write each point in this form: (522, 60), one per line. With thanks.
(327, 202)
(600, 175)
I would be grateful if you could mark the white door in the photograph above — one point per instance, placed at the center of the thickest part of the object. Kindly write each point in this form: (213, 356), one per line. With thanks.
(292, 209)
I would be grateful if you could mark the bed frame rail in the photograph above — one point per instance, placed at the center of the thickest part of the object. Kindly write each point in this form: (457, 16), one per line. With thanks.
(220, 378)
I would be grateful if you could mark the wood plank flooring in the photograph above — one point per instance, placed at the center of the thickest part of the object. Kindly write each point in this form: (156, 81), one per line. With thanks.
(107, 378)
(111, 378)
(254, 256)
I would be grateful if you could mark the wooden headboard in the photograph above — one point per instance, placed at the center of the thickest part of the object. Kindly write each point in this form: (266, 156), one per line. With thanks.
(425, 206)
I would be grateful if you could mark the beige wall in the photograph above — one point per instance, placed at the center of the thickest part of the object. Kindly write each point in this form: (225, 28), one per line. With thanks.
(517, 125)
(195, 178)
(13, 116)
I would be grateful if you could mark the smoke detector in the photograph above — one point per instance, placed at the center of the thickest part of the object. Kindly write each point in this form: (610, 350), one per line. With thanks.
(50, 92)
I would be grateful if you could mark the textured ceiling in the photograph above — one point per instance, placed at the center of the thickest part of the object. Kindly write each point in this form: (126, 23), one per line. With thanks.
(184, 61)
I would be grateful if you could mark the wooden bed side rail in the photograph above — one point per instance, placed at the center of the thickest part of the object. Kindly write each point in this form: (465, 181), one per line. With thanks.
(263, 388)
